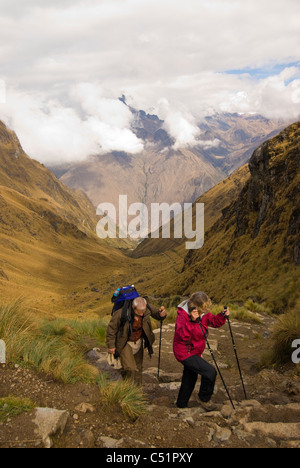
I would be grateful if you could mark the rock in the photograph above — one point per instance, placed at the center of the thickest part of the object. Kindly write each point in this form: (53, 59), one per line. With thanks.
(87, 439)
(243, 435)
(222, 434)
(131, 442)
(109, 442)
(226, 411)
(211, 433)
(283, 431)
(100, 360)
(171, 385)
(250, 403)
(164, 377)
(85, 408)
(194, 414)
(291, 444)
(49, 422)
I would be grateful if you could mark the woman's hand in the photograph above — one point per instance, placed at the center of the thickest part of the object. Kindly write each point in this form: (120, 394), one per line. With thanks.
(194, 315)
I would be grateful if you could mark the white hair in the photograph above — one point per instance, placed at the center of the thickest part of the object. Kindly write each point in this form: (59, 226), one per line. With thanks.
(139, 301)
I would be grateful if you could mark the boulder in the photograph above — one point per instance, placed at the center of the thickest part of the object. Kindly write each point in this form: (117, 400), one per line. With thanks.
(49, 422)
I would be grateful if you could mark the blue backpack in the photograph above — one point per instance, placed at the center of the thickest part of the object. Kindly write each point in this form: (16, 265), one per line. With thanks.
(123, 295)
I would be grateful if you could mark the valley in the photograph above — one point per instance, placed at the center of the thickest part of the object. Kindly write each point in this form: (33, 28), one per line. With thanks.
(57, 278)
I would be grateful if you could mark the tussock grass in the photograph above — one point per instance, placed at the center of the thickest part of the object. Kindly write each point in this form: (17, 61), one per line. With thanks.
(126, 394)
(256, 307)
(286, 330)
(55, 348)
(49, 349)
(75, 329)
(13, 406)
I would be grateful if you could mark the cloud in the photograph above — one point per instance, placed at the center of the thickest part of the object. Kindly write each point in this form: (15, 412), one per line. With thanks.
(275, 97)
(70, 60)
(54, 133)
(181, 126)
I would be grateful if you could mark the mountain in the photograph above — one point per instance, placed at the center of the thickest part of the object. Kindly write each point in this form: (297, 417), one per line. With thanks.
(48, 242)
(238, 135)
(253, 249)
(215, 201)
(148, 177)
(162, 173)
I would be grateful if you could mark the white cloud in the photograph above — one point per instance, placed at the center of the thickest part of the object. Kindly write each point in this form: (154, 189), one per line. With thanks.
(151, 50)
(181, 126)
(275, 97)
(54, 134)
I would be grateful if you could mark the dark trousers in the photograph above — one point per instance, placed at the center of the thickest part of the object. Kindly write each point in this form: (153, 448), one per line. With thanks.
(194, 366)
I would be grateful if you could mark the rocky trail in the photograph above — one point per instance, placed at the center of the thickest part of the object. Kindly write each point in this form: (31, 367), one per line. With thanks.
(75, 416)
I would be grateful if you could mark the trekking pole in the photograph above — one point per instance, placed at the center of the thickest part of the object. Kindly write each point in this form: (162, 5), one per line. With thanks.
(218, 369)
(237, 359)
(159, 354)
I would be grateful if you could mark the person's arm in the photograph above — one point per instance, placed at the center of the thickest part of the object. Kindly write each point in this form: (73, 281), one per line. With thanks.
(217, 321)
(111, 333)
(156, 313)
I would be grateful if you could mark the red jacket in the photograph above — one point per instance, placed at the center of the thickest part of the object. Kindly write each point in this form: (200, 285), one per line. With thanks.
(188, 338)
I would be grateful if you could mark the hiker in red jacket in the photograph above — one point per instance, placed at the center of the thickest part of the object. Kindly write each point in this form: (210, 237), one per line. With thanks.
(189, 345)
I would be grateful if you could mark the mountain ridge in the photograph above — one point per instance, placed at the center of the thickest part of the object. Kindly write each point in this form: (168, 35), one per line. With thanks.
(226, 143)
(253, 248)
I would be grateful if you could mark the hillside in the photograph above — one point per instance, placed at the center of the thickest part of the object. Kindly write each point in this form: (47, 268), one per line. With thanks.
(215, 200)
(253, 248)
(48, 244)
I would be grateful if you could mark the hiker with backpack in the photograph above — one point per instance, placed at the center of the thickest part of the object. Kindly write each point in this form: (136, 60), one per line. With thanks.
(130, 331)
(191, 331)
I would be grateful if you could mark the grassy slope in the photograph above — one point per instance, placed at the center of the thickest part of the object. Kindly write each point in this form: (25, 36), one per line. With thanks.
(249, 251)
(48, 245)
(215, 200)
(167, 256)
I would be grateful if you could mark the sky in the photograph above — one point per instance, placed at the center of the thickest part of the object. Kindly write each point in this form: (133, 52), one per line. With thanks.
(64, 64)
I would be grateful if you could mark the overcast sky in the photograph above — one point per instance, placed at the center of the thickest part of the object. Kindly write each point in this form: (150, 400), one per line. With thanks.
(65, 63)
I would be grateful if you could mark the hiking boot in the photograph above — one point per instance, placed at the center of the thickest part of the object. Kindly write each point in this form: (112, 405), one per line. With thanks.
(208, 406)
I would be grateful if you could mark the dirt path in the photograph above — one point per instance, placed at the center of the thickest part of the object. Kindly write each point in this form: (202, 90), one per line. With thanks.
(269, 418)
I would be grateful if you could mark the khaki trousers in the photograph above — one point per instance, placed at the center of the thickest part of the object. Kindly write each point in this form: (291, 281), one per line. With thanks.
(132, 365)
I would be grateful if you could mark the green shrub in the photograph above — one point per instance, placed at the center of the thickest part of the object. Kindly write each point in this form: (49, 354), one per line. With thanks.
(12, 406)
